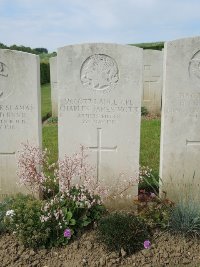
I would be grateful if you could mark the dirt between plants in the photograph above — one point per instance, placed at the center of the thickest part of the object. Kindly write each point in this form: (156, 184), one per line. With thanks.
(166, 250)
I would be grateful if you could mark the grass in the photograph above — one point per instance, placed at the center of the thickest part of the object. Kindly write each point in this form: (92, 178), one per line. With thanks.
(185, 218)
(46, 101)
(150, 144)
(50, 140)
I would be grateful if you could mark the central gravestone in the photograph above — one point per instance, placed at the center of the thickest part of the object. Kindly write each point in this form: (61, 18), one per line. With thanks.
(99, 107)
(20, 119)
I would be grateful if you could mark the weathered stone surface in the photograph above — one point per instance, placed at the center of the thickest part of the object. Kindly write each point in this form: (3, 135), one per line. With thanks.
(180, 131)
(20, 119)
(152, 80)
(54, 87)
(100, 101)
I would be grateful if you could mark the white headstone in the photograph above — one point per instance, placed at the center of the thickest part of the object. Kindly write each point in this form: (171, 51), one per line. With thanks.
(54, 88)
(180, 131)
(20, 115)
(152, 80)
(99, 106)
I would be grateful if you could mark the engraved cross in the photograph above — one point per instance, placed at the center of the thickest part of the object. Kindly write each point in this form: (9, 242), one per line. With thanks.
(99, 148)
(149, 79)
(5, 153)
(192, 143)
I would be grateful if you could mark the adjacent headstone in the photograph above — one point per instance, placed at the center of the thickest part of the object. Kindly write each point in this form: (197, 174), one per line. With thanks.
(180, 131)
(99, 106)
(54, 88)
(20, 116)
(152, 80)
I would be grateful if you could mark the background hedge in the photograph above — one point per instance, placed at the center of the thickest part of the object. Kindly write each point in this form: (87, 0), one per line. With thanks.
(44, 73)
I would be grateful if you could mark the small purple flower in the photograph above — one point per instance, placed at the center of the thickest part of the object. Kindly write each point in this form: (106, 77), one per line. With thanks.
(147, 244)
(67, 233)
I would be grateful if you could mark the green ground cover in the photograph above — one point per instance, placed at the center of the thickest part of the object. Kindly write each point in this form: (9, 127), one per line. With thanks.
(46, 101)
(50, 140)
(150, 144)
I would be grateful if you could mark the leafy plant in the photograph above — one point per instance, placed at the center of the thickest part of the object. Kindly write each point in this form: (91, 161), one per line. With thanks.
(24, 220)
(144, 111)
(74, 210)
(52, 120)
(5, 205)
(185, 218)
(155, 211)
(123, 230)
(65, 208)
(77, 204)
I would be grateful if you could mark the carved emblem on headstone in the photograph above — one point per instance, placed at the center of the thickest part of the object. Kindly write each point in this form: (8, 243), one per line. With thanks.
(4, 92)
(194, 66)
(99, 72)
(3, 70)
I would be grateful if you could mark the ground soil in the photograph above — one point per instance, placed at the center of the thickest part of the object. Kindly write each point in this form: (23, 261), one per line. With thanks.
(166, 250)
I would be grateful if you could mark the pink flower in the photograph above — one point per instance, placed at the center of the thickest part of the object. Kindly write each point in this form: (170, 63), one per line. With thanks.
(147, 244)
(67, 233)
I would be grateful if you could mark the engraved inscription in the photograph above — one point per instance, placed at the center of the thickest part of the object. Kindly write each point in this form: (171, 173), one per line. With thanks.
(98, 111)
(185, 103)
(12, 116)
(194, 66)
(99, 72)
(99, 148)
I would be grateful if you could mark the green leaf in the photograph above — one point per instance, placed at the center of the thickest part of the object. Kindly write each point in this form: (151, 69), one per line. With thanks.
(86, 222)
(69, 215)
(72, 222)
(65, 211)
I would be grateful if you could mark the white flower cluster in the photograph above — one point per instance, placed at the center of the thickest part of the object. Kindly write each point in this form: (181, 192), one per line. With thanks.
(145, 173)
(10, 213)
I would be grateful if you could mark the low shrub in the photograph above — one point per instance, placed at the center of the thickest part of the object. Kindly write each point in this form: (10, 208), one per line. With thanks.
(185, 218)
(71, 199)
(40, 223)
(155, 211)
(23, 219)
(64, 209)
(123, 230)
(5, 205)
(52, 120)
(73, 211)
(144, 111)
